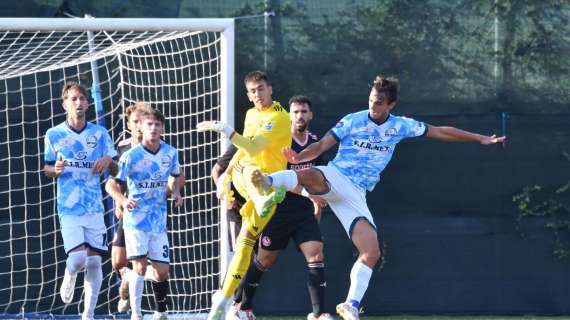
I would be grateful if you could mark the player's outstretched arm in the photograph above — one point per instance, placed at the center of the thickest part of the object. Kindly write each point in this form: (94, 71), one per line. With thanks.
(452, 134)
(252, 146)
(312, 151)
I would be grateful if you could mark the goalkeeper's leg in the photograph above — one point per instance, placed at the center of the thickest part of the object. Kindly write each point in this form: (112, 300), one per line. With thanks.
(253, 225)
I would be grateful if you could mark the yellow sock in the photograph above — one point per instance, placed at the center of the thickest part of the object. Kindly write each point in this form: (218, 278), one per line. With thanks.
(238, 266)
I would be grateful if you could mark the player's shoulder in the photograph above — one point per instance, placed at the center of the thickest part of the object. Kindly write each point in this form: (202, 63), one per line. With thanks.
(312, 137)
(125, 142)
(402, 119)
(276, 106)
(167, 147)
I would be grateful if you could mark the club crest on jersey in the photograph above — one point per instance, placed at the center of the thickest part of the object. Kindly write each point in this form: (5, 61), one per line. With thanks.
(91, 141)
(81, 155)
(165, 161)
(266, 241)
(268, 126)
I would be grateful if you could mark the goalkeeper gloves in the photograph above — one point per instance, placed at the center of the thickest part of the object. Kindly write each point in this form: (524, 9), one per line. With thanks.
(217, 126)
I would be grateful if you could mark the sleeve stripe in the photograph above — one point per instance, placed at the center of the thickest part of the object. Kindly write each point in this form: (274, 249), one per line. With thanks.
(119, 181)
(332, 133)
(425, 131)
(50, 163)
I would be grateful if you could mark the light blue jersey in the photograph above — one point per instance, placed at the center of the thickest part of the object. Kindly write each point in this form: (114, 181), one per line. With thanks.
(146, 175)
(365, 147)
(78, 189)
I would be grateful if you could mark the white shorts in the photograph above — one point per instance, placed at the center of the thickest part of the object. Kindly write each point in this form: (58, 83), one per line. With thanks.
(347, 201)
(86, 230)
(140, 244)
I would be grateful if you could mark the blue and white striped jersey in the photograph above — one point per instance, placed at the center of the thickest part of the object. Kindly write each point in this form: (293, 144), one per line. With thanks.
(365, 147)
(78, 189)
(146, 175)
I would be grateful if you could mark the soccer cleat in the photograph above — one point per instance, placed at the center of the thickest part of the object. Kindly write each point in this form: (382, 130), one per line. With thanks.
(159, 316)
(264, 204)
(67, 287)
(246, 314)
(123, 305)
(347, 312)
(260, 181)
(218, 306)
(232, 313)
(323, 316)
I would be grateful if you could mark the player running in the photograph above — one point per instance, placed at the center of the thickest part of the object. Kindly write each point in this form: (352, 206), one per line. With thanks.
(77, 152)
(145, 169)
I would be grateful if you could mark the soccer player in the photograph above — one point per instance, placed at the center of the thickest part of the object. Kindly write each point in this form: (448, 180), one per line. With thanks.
(118, 252)
(119, 260)
(296, 218)
(77, 153)
(367, 140)
(266, 133)
(145, 169)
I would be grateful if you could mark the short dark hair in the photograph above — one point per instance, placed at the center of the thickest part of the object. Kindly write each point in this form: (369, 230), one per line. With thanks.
(388, 86)
(154, 113)
(72, 85)
(256, 76)
(301, 100)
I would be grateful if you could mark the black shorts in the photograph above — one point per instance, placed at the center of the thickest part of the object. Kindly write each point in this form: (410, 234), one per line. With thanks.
(291, 220)
(119, 237)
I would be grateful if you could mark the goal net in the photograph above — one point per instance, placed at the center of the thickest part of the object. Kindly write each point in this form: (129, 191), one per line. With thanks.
(184, 68)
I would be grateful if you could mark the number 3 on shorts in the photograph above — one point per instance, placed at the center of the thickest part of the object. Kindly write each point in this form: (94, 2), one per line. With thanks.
(165, 252)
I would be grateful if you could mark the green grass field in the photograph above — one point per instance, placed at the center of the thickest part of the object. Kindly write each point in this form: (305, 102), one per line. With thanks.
(437, 318)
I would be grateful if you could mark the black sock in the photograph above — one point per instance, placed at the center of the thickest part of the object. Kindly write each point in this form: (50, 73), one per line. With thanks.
(316, 284)
(251, 282)
(160, 290)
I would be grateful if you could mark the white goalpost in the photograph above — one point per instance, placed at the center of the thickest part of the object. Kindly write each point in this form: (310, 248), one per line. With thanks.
(184, 68)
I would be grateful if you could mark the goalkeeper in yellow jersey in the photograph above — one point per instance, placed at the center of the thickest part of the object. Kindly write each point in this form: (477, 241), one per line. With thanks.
(267, 130)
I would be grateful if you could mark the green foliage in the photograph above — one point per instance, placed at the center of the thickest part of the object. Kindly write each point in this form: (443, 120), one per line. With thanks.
(535, 202)
(442, 51)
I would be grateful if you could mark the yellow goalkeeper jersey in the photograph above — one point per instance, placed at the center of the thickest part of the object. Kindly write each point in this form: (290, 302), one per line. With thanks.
(274, 124)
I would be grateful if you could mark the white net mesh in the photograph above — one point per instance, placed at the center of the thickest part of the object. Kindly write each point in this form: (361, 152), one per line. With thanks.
(176, 72)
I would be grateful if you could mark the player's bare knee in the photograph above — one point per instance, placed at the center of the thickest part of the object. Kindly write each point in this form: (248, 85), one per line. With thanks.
(313, 180)
(118, 261)
(161, 273)
(265, 262)
(371, 256)
(139, 267)
(313, 251)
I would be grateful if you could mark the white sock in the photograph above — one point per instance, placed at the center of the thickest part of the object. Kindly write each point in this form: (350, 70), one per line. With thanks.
(136, 286)
(285, 178)
(359, 278)
(125, 273)
(93, 280)
(75, 261)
